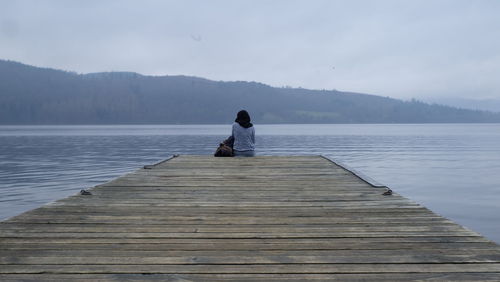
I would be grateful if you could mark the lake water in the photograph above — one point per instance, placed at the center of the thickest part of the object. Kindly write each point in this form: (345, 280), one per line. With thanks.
(453, 169)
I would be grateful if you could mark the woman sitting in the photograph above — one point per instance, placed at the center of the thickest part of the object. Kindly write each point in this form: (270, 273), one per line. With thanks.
(244, 135)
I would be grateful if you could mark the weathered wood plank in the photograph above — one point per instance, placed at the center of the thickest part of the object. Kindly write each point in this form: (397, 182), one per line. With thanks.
(229, 245)
(99, 228)
(273, 268)
(346, 242)
(440, 276)
(249, 259)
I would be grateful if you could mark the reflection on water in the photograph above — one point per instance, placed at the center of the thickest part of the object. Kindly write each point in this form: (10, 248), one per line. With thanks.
(453, 169)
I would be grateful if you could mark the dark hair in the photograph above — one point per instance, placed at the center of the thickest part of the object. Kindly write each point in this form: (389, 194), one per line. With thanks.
(243, 119)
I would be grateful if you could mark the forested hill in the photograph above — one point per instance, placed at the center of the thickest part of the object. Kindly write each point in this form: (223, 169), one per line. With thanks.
(32, 95)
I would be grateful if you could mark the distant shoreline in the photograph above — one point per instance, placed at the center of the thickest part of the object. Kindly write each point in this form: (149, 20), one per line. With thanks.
(42, 96)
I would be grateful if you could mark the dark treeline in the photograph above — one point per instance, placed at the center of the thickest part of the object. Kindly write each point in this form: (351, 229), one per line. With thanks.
(31, 95)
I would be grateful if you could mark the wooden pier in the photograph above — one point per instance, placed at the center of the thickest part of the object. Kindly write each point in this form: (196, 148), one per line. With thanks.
(261, 219)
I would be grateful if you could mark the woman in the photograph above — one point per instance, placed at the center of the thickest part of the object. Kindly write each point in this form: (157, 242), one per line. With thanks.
(244, 135)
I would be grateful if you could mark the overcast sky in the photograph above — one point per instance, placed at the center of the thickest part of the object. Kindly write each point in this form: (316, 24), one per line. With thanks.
(401, 49)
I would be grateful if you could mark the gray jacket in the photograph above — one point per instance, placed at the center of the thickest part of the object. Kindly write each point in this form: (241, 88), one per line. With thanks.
(244, 138)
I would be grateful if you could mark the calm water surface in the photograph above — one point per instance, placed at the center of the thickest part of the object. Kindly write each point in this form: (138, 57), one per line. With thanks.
(453, 169)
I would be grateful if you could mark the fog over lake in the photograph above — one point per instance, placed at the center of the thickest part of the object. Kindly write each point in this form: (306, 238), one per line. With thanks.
(450, 168)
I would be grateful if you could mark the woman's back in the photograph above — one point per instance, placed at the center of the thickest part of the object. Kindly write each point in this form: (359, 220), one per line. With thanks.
(244, 135)
(244, 138)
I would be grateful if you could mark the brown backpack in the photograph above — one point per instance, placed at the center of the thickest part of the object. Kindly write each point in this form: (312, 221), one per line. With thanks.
(223, 151)
(225, 148)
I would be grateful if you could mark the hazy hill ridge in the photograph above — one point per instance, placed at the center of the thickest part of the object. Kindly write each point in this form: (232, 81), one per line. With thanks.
(32, 95)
